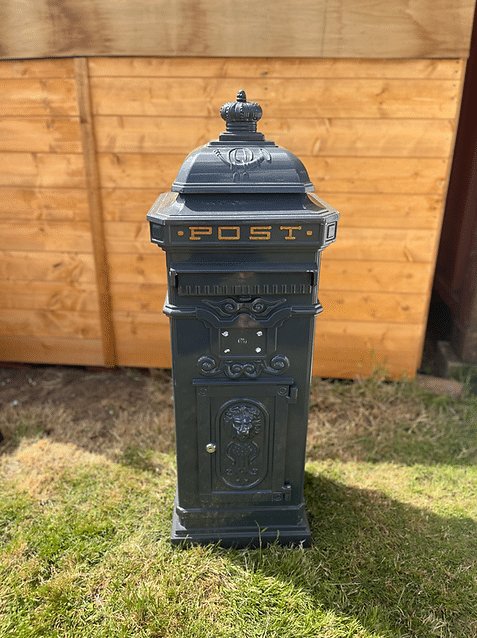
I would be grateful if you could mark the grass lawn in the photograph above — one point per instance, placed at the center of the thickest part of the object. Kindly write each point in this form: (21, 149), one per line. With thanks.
(391, 489)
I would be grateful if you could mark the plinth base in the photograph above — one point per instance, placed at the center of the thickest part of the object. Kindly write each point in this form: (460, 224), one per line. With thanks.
(241, 527)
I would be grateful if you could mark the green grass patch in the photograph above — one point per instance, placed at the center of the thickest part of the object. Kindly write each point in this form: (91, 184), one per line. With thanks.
(391, 489)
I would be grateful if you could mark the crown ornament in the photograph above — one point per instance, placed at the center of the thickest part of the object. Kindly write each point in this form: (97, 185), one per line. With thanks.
(241, 116)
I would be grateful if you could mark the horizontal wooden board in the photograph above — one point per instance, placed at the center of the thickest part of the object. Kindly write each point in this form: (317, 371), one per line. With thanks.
(140, 325)
(48, 68)
(365, 337)
(351, 175)
(374, 306)
(315, 137)
(47, 266)
(265, 68)
(49, 323)
(347, 349)
(47, 135)
(60, 204)
(387, 211)
(374, 276)
(383, 244)
(42, 170)
(137, 268)
(139, 298)
(144, 353)
(278, 97)
(53, 350)
(156, 173)
(317, 28)
(47, 295)
(128, 204)
(45, 235)
(31, 96)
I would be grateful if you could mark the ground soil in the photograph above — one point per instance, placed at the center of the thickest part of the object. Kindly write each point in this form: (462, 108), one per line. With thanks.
(94, 408)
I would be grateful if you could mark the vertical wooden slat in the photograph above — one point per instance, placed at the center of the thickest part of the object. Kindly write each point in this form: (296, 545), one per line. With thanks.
(95, 210)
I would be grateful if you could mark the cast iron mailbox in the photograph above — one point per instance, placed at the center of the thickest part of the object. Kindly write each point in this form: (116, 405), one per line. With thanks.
(243, 236)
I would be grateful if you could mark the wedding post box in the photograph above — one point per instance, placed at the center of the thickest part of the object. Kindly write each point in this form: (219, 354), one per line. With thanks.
(243, 235)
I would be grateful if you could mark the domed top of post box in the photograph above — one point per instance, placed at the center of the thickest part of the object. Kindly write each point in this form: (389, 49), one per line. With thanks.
(241, 160)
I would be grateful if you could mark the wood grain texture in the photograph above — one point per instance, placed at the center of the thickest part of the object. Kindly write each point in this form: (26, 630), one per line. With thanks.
(278, 97)
(47, 295)
(49, 323)
(47, 135)
(32, 96)
(374, 276)
(358, 349)
(48, 68)
(45, 236)
(54, 350)
(62, 267)
(42, 170)
(314, 28)
(60, 204)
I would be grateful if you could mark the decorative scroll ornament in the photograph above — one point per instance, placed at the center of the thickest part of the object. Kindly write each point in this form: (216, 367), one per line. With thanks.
(229, 307)
(208, 366)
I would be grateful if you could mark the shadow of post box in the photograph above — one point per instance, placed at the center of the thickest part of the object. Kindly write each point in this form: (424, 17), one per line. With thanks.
(243, 236)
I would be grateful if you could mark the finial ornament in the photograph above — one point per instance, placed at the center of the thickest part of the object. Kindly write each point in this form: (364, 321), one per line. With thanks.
(241, 116)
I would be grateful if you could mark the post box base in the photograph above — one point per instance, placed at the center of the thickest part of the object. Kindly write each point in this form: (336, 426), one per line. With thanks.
(233, 529)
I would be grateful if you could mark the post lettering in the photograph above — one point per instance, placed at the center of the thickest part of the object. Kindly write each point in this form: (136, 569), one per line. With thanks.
(197, 231)
(290, 231)
(260, 232)
(228, 233)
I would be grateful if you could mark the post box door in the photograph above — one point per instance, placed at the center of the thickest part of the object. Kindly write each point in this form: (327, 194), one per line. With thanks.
(242, 433)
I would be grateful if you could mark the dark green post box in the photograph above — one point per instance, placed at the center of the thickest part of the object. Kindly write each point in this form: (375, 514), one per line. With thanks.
(243, 236)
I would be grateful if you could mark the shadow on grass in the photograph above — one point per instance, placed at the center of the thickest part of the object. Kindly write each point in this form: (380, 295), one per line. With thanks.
(391, 565)
(397, 570)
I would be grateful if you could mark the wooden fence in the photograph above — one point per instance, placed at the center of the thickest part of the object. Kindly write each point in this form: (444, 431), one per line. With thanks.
(86, 146)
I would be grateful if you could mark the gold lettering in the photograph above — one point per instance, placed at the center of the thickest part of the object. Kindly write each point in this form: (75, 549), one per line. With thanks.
(197, 231)
(260, 232)
(233, 237)
(290, 231)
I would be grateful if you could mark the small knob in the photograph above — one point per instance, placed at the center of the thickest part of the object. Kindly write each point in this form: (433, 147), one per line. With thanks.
(211, 448)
